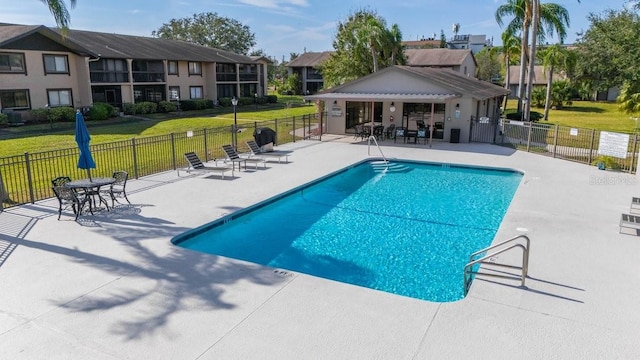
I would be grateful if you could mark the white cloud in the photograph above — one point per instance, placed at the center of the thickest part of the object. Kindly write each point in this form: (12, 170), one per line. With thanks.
(276, 4)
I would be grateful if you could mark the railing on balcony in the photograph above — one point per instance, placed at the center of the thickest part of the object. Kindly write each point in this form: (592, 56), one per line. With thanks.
(145, 76)
(226, 77)
(249, 77)
(109, 76)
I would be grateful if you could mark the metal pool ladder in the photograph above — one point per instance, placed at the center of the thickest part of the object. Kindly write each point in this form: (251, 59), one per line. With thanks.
(386, 162)
(518, 242)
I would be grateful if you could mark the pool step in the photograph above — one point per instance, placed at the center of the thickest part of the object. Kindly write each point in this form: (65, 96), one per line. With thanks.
(380, 166)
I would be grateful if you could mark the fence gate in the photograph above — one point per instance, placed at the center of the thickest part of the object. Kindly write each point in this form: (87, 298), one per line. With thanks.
(483, 130)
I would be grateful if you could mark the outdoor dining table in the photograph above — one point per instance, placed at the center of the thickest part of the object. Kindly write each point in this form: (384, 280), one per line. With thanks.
(92, 187)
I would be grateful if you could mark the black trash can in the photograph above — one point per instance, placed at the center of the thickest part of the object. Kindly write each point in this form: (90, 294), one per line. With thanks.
(455, 136)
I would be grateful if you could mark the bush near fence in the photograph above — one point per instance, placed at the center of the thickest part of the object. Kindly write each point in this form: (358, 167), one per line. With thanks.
(27, 178)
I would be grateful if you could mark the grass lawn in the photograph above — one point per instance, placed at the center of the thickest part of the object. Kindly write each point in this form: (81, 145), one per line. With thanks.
(587, 114)
(41, 137)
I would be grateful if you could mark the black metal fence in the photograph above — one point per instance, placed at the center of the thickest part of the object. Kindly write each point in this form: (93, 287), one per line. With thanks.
(564, 142)
(27, 178)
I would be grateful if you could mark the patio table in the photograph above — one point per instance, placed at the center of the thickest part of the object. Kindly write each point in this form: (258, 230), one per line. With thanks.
(92, 188)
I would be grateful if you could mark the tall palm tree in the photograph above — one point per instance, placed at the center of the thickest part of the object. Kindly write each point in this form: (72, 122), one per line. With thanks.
(550, 19)
(394, 45)
(59, 11)
(510, 49)
(553, 57)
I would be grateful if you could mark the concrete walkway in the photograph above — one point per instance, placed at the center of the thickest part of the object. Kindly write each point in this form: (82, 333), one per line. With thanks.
(112, 286)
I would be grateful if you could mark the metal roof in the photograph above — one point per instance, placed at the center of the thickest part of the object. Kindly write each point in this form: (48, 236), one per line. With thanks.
(456, 84)
(376, 96)
(309, 59)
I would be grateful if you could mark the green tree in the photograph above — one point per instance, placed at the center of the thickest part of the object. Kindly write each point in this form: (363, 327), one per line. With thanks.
(59, 11)
(608, 51)
(209, 29)
(510, 51)
(554, 58)
(443, 39)
(549, 18)
(362, 45)
(629, 98)
(488, 64)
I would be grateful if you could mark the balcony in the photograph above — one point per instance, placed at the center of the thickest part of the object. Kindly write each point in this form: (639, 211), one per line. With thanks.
(145, 76)
(109, 76)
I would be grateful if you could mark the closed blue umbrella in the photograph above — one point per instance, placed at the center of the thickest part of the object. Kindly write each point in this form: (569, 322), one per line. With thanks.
(85, 161)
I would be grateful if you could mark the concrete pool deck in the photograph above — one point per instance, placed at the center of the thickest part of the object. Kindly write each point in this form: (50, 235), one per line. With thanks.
(112, 286)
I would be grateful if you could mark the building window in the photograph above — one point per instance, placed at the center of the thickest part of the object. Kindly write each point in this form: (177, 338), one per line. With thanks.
(59, 97)
(195, 68)
(12, 63)
(172, 68)
(195, 92)
(14, 99)
(174, 93)
(56, 64)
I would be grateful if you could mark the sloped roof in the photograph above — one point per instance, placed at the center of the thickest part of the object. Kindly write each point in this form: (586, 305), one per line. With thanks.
(121, 46)
(10, 33)
(539, 75)
(141, 47)
(456, 84)
(309, 59)
(437, 57)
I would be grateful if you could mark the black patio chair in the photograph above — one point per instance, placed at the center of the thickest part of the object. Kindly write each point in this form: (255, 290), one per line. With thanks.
(68, 197)
(118, 188)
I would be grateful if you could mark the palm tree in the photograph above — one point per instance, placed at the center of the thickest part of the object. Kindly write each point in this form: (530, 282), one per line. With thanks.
(629, 98)
(550, 18)
(510, 48)
(553, 57)
(394, 45)
(59, 11)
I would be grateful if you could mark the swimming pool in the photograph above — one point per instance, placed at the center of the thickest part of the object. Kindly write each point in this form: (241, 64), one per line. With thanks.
(407, 230)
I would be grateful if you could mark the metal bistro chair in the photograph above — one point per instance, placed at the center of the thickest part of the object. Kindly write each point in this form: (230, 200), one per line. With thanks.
(68, 197)
(118, 188)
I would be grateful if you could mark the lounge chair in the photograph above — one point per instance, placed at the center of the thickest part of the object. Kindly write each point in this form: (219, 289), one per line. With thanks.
(235, 158)
(196, 165)
(276, 154)
(635, 205)
(630, 222)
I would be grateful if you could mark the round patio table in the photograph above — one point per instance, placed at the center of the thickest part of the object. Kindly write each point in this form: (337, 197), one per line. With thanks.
(92, 187)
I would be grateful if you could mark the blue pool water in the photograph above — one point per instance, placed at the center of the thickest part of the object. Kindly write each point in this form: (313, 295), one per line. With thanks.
(408, 230)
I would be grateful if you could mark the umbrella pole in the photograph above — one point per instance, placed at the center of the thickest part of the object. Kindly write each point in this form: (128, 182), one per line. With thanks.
(89, 174)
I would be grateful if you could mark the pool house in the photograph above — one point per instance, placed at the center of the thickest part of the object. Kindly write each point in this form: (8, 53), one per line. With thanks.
(454, 107)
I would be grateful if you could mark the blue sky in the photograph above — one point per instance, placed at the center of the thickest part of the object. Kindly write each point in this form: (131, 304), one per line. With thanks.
(285, 26)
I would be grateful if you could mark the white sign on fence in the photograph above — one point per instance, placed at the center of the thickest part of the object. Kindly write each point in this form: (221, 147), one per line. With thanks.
(613, 144)
(573, 132)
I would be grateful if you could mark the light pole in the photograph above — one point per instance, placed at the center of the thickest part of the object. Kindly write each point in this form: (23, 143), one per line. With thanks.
(255, 96)
(234, 102)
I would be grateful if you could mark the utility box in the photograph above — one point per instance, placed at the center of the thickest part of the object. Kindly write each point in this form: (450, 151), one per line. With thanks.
(455, 136)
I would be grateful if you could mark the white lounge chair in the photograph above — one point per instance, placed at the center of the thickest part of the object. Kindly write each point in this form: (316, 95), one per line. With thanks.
(196, 165)
(630, 222)
(276, 154)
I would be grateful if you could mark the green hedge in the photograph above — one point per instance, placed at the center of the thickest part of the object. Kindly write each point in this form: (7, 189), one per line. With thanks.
(101, 111)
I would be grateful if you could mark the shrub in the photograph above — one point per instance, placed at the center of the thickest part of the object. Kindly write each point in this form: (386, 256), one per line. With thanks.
(101, 111)
(272, 99)
(4, 119)
(167, 106)
(39, 115)
(224, 101)
(60, 114)
(146, 107)
(128, 108)
(533, 115)
(196, 104)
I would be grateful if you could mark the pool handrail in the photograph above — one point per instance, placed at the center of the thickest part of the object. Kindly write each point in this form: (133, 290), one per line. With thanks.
(386, 162)
(468, 268)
